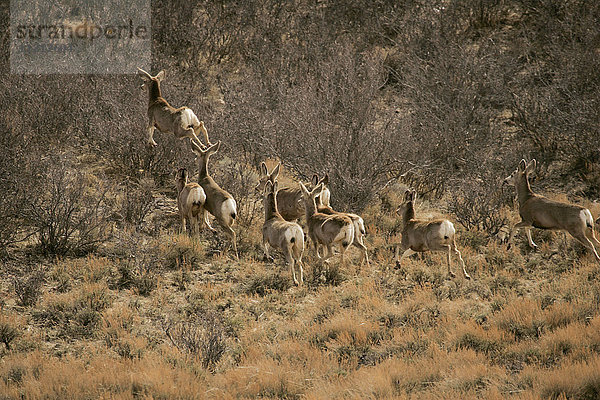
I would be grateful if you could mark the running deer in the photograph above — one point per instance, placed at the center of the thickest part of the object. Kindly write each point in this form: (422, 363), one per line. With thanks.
(281, 234)
(324, 206)
(419, 235)
(326, 230)
(540, 212)
(218, 202)
(289, 200)
(190, 201)
(161, 115)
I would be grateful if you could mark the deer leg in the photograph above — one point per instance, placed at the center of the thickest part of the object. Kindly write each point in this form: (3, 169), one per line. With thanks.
(359, 243)
(590, 235)
(407, 253)
(581, 237)
(342, 251)
(151, 141)
(290, 261)
(449, 251)
(521, 224)
(183, 228)
(297, 253)
(196, 224)
(205, 220)
(201, 128)
(530, 240)
(462, 262)
(266, 250)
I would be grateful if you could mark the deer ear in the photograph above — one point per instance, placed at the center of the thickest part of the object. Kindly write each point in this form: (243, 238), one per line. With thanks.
(196, 149)
(268, 187)
(409, 195)
(263, 169)
(522, 165)
(275, 172)
(531, 166)
(315, 179)
(304, 189)
(325, 179)
(144, 75)
(214, 148)
(161, 75)
(316, 191)
(275, 187)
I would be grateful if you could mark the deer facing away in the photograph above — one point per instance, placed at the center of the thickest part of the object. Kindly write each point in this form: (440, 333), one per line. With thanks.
(161, 115)
(326, 230)
(289, 200)
(323, 206)
(190, 201)
(540, 212)
(281, 234)
(218, 202)
(419, 235)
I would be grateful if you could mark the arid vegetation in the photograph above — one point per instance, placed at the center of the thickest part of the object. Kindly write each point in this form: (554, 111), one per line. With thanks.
(101, 296)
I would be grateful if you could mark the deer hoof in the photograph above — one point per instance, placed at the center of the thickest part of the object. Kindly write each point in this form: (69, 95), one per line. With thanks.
(468, 277)
(398, 265)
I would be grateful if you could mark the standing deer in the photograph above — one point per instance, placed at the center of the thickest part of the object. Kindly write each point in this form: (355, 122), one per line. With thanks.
(326, 230)
(190, 200)
(218, 202)
(281, 234)
(540, 212)
(419, 235)
(161, 115)
(289, 200)
(323, 206)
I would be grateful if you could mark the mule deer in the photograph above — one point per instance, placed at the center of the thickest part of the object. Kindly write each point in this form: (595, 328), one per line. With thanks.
(540, 212)
(289, 200)
(161, 115)
(419, 235)
(281, 234)
(190, 200)
(326, 230)
(323, 206)
(218, 202)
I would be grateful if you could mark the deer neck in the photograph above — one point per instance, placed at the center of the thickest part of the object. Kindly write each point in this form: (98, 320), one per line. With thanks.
(311, 208)
(523, 190)
(154, 92)
(203, 168)
(270, 206)
(180, 185)
(409, 213)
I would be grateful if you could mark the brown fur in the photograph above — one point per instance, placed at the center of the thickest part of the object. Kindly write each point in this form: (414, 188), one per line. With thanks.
(540, 212)
(289, 200)
(419, 235)
(188, 209)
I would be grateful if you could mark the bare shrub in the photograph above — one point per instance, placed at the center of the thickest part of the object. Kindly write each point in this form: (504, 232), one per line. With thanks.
(8, 332)
(203, 336)
(28, 288)
(69, 214)
(138, 201)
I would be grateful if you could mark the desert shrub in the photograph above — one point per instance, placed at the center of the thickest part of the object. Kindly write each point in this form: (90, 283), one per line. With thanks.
(137, 201)
(70, 213)
(8, 332)
(264, 283)
(203, 335)
(28, 288)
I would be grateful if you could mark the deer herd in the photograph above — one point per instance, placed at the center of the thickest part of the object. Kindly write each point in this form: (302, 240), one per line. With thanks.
(327, 228)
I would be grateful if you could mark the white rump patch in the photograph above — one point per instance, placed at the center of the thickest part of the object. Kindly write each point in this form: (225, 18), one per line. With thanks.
(227, 208)
(188, 118)
(196, 195)
(586, 217)
(447, 229)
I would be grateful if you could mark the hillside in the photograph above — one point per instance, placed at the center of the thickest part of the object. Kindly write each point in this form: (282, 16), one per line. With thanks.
(102, 297)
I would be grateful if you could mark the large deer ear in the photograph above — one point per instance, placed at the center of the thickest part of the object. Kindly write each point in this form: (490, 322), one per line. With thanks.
(325, 179)
(268, 187)
(315, 179)
(275, 186)
(161, 75)
(409, 195)
(144, 75)
(531, 166)
(214, 148)
(263, 169)
(316, 191)
(522, 165)
(197, 149)
(275, 172)
(305, 191)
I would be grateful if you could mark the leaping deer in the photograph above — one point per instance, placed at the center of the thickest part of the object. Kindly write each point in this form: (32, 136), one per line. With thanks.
(419, 235)
(161, 115)
(540, 212)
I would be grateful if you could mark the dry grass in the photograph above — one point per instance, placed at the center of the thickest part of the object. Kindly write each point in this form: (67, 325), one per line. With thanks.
(527, 326)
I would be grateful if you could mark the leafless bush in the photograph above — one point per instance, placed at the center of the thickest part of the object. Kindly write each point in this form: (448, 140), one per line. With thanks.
(138, 201)
(69, 213)
(203, 336)
(28, 288)
(477, 205)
